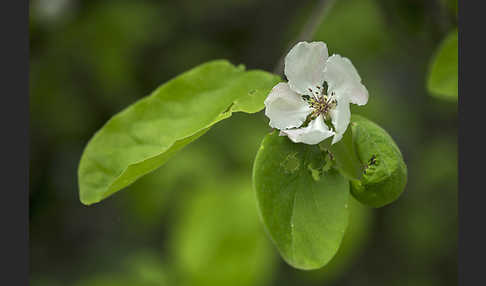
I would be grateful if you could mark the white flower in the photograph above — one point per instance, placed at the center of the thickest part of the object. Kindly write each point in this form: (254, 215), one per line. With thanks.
(314, 104)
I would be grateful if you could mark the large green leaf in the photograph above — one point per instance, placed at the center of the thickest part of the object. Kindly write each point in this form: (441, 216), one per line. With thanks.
(443, 75)
(303, 206)
(357, 236)
(385, 173)
(142, 137)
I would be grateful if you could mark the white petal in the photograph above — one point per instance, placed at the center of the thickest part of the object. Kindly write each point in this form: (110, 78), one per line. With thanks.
(340, 117)
(285, 108)
(343, 79)
(313, 134)
(304, 66)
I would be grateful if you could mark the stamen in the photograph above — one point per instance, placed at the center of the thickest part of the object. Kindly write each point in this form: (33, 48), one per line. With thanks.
(321, 105)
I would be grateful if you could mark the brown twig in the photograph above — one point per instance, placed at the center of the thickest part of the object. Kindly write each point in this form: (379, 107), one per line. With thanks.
(307, 31)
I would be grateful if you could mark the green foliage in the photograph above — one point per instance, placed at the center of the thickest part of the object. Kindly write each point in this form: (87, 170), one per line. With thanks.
(142, 269)
(303, 206)
(385, 173)
(112, 38)
(443, 74)
(142, 137)
(219, 240)
(99, 56)
(346, 159)
(357, 236)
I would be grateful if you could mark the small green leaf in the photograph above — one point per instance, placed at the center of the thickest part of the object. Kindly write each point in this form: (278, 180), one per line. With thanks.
(443, 75)
(303, 207)
(142, 137)
(385, 173)
(347, 161)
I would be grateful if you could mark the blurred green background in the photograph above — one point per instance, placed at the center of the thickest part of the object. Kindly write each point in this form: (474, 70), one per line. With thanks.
(194, 221)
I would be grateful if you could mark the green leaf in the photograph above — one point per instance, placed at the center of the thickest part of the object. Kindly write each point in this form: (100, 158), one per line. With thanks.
(303, 208)
(142, 137)
(347, 161)
(443, 75)
(357, 236)
(385, 173)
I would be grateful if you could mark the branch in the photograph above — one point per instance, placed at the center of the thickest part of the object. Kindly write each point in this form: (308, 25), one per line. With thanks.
(307, 31)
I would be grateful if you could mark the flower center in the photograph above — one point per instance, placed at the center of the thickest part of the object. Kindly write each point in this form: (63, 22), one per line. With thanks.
(320, 101)
(322, 105)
